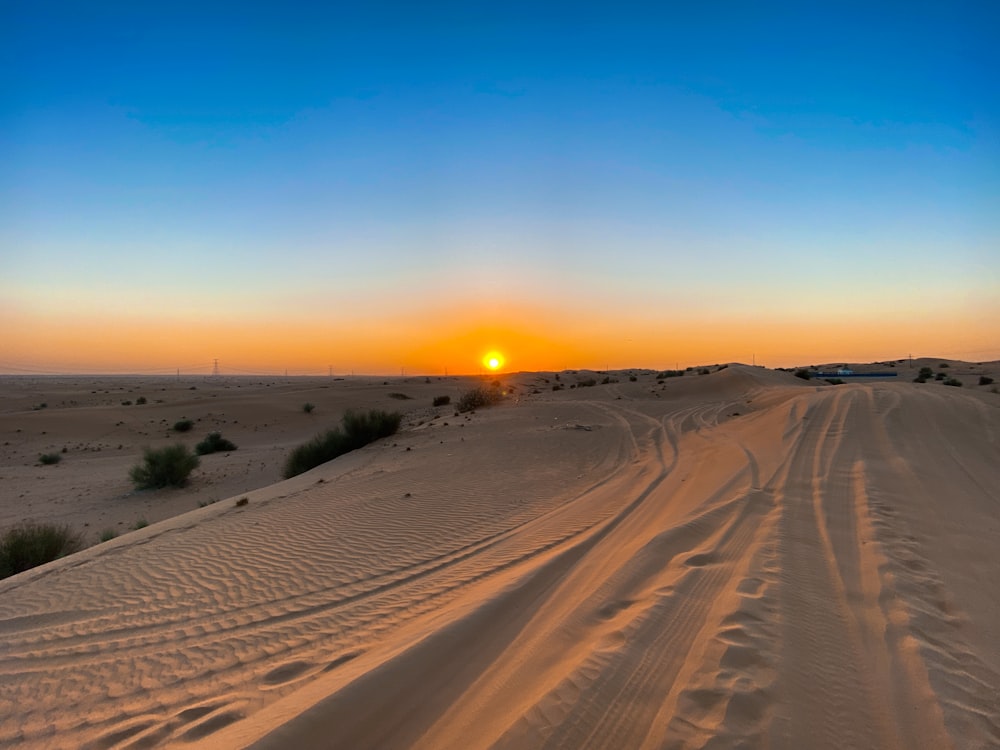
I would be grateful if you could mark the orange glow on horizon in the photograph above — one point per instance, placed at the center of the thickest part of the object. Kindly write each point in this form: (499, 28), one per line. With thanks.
(452, 338)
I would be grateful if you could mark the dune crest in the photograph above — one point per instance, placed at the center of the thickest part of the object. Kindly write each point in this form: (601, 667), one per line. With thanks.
(742, 559)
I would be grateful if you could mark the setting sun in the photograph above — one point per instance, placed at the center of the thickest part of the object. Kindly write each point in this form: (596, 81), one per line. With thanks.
(493, 360)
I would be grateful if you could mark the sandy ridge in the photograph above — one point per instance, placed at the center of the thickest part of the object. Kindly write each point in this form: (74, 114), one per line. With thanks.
(742, 559)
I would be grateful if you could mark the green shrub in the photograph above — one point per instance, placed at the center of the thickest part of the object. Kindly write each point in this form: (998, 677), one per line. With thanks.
(214, 443)
(442, 400)
(479, 398)
(983, 380)
(357, 430)
(126, 403)
(49, 458)
(308, 408)
(953, 382)
(32, 544)
(926, 373)
(166, 467)
(183, 425)
(587, 383)
(141, 400)
(804, 374)
(361, 428)
(140, 524)
(108, 534)
(940, 376)
(632, 378)
(834, 381)
(942, 366)
(920, 379)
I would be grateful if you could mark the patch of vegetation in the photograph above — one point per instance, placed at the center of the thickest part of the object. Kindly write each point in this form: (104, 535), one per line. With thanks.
(308, 408)
(926, 372)
(140, 524)
(183, 425)
(632, 378)
(703, 371)
(983, 380)
(834, 381)
(126, 403)
(108, 534)
(166, 467)
(400, 396)
(242, 501)
(479, 398)
(442, 400)
(357, 430)
(557, 386)
(32, 544)
(214, 443)
(141, 400)
(669, 374)
(804, 374)
(942, 366)
(588, 383)
(953, 382)
(47, 459)
(940, 376)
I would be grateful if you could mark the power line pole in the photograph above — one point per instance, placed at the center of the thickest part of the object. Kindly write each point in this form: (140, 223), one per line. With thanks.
(215, 369)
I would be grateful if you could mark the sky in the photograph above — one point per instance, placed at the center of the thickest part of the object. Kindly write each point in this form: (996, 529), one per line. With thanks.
(388, 187)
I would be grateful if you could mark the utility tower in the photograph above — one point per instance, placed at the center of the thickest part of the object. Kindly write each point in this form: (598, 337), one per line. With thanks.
(215, 369)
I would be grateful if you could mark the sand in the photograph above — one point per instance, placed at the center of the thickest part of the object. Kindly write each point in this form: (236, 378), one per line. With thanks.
(741, 559)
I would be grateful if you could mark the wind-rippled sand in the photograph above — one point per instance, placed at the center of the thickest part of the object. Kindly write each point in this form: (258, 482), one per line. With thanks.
(737, 560)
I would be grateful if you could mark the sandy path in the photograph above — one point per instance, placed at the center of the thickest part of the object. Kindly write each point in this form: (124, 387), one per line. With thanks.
(742, 561)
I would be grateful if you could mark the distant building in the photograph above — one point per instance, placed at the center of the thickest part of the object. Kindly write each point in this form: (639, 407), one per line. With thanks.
(845, 371)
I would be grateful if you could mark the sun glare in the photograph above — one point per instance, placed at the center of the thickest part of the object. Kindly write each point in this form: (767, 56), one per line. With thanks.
(493, 360)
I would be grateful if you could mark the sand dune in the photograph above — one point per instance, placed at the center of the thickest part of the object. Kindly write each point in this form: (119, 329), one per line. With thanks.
(737, 560)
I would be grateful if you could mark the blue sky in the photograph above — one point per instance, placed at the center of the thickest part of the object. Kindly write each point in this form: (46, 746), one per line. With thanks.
(658, 162)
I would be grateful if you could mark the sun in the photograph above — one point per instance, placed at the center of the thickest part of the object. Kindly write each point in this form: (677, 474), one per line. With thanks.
(493, 361)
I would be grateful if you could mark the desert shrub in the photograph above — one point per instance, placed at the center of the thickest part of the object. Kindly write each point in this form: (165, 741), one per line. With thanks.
(557, 386)
(669, 374)
(141, 400)
(926, 372)
(479, 398)
(357, 430)
(361, 428)
(140, 524)
(920, 379)
(32, 544)
(400, 396)
(983, 380)
(126, 403)
(49, 458)
(308, 408)
(632, 378)
(953, 382)
(183, 425)
(214, 443)
(834, 381)
(940, 376)
(804, 374)
(942, 366)
(166, 467)
(108, 534)
(703, 371)
(442, 400)
(588, 383)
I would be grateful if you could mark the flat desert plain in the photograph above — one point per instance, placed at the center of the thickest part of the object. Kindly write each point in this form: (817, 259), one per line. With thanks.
(740, 559)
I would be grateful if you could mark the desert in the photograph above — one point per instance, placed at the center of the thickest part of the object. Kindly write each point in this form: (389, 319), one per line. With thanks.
(731, 556)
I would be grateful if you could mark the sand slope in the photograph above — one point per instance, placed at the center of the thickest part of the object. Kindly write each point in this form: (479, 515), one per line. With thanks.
(737, 560)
